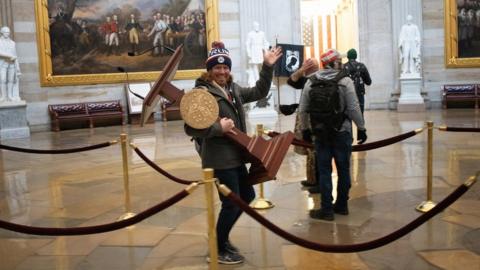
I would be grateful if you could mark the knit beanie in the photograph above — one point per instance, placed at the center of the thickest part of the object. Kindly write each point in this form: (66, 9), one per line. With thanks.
(352, 54)
(218, 55)
(329, 56)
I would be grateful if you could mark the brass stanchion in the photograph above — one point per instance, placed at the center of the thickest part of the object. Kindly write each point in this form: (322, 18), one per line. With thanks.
(261, 202)
(428, 204)
(212, 234)
(126, 186)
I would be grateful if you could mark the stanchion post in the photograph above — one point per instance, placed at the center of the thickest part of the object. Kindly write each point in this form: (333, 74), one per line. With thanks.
(212, 234)
(261, 202)
(126, 184)
(428, 204)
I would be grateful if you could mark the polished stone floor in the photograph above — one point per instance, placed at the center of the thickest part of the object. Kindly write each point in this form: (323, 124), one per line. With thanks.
(388, 183)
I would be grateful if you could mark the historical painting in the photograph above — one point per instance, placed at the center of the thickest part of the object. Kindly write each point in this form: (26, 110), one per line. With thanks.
(462, 33)
(96, 41)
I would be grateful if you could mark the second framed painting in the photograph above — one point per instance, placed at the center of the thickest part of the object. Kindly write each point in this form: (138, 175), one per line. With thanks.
(91, 41)
(462, 35)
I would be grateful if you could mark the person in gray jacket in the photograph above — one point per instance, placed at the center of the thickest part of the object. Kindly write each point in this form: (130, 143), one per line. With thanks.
(217, 151)
(339, 147)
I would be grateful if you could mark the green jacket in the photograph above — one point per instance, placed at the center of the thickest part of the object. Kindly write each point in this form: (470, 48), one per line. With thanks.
(217, 151)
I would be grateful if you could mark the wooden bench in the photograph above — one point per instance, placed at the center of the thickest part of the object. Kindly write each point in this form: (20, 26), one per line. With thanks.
(461, 95)
(87, 112)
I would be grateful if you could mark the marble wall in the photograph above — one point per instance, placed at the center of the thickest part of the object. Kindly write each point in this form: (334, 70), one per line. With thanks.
(435, 73)
(281, 18)
(375, 50)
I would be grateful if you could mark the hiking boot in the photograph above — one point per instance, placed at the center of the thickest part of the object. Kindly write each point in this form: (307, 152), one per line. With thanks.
(231, 248)
(314, 190)
(340, 211)
(306, 183)
(319, 214)
(226, 257)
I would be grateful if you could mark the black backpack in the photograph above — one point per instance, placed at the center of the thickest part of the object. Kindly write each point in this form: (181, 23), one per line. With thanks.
(326, 115)
(355, 73)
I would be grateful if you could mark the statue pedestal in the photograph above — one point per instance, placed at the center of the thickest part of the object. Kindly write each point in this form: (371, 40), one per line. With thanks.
(410, 99)
(263, 111)
(13, 120)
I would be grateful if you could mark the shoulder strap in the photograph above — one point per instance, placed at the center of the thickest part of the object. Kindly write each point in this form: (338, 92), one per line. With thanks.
(342, 74)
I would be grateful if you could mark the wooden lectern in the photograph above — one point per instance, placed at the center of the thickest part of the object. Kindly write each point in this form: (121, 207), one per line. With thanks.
(266, 156)
(163, 88)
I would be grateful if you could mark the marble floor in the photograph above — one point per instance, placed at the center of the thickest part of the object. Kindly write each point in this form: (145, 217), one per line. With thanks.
(87, 188)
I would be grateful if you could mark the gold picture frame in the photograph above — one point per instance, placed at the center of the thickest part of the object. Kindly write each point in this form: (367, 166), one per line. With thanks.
(454, 45)
(46, 70)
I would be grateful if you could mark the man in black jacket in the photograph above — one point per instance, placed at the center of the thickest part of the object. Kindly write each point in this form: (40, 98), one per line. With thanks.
(358, 72)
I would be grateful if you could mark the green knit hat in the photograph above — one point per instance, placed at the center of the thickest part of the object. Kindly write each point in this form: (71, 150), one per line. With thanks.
(352, 54)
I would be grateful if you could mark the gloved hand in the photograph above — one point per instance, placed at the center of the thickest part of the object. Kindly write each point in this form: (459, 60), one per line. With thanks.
(288, 109)
(307, 135)
(361, 136)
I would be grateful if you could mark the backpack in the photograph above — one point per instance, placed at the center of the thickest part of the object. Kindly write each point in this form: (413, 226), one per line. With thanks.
(326, 115)
(355, 73)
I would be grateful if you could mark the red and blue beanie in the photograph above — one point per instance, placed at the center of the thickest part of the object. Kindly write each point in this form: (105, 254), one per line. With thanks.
(218, 55)
(329, 56)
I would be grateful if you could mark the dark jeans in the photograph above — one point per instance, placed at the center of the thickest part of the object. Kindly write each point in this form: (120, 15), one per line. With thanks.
(236, 180)
(340, 150)
(361, 101)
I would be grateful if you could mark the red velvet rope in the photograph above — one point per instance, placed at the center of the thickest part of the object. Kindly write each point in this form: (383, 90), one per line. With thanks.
(358, 147)
(351, 247)
(461, 129)
(162, 171)
(98, 228)
(55, 151)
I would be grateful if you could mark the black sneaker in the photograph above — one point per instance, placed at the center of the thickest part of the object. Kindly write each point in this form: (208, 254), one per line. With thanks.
(340, 211)
(314, 190)
(307, 183)
(231, 248)
(319, 214)
(227, 257)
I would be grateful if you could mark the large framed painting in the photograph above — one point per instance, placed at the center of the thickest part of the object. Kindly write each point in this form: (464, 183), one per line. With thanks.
(462, 33)
(87, 41)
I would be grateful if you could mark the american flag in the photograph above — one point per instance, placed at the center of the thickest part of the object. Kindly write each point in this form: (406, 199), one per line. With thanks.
(307, 31)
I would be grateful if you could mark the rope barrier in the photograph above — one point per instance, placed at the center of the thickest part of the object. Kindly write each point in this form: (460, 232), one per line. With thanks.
(351, 247)
(458, 129)
(160, 170)
(99, 228)
(57, 151)
(359, 147)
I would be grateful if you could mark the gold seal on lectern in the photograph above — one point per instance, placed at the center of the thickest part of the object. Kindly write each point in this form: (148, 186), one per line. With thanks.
(199, 109)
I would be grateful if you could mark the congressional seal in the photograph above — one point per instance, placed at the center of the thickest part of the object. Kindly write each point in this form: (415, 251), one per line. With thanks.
(199, 109)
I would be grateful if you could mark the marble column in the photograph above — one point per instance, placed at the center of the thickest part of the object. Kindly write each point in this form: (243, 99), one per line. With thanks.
(285, 28)
(255, 11)
(13, 114)
(375, 49)
(6, 15)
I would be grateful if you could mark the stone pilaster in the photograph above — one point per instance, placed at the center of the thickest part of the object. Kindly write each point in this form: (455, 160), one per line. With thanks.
(375, 49)
(6, 15)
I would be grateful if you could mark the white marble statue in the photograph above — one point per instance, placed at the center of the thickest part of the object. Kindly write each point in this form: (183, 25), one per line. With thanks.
(409, 44)
(9, 68)
(256, 43)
